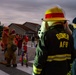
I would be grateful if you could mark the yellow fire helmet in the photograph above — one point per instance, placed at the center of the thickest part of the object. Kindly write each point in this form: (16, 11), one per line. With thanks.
(54, 13)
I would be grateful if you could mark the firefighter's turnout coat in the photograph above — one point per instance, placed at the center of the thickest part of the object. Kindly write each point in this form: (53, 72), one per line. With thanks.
(54, 52)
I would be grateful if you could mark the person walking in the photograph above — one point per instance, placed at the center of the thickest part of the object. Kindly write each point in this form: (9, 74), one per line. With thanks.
(25, 54)
(55, 49)
(19, 45)
(10, 55)
(5, 35)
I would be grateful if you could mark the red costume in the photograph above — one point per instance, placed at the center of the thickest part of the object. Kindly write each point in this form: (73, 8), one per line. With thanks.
(5, 35)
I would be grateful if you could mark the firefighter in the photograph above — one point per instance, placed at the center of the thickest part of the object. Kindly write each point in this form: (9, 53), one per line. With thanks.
(55, 49)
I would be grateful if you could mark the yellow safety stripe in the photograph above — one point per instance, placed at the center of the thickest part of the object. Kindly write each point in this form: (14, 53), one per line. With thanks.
(69, 73)
(36, 70)
(61, 57)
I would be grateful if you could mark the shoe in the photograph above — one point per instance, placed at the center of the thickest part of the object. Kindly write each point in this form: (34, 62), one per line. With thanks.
(14, 65)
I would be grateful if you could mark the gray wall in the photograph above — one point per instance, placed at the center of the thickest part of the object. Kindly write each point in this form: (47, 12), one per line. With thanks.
(18, 29)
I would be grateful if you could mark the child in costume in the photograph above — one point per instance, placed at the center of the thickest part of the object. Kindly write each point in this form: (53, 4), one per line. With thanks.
(24, 56)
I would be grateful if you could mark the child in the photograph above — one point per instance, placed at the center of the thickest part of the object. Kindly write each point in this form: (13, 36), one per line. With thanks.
(24, 55)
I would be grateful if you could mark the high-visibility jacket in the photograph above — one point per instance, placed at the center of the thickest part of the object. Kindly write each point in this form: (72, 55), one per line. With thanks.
(54, 52)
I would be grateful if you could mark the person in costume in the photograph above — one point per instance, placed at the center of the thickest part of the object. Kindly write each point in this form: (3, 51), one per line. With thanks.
(10, 54)
(5, 35)
(55, 49)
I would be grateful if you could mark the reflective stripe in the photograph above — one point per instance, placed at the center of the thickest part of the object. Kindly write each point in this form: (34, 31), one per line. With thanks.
(36, 70)
(61, 57)
(69, 73)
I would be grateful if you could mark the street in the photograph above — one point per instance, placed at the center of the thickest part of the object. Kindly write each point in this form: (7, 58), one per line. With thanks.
(19, 70)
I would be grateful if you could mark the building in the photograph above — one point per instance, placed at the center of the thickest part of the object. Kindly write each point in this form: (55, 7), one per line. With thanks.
(32, 26)
(27, 28)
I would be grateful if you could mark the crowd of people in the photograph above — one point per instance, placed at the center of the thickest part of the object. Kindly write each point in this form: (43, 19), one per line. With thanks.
(10, 42)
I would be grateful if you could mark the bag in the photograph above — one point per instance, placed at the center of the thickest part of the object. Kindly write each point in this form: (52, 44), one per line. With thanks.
(14, 47)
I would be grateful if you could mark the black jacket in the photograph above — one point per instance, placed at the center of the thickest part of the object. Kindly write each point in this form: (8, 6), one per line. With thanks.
(54, 52)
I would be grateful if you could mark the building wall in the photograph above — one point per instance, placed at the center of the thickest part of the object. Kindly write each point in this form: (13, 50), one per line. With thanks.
(23, 31)
(18, 29)
(33, 27)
